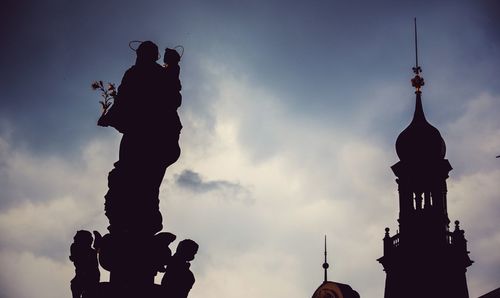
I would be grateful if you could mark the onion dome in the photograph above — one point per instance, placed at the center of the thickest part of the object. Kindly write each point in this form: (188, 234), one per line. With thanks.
(420, 141)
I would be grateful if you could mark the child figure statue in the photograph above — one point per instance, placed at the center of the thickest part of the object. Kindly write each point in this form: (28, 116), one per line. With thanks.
(171, 59)
(178, 279)
(84, 257)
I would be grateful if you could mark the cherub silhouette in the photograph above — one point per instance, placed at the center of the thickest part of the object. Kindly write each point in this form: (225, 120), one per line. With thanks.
(171, 59)
(178, 279)
(84, 257)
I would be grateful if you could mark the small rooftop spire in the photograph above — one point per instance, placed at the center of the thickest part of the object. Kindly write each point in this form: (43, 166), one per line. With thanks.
(417, 81)
(325, 264)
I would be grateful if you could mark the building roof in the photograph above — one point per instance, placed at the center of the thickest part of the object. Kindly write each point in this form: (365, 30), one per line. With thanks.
(492, 294)
(330, 289)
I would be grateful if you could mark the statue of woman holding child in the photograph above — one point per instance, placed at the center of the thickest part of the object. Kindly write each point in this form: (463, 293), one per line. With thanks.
(145, 111)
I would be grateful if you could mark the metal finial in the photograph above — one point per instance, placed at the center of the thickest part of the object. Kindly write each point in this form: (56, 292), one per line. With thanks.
(325, 264)
(417, 81)
(416, 45)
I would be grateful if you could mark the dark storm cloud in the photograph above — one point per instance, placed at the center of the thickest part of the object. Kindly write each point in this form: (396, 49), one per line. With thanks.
(193, 181)
(315, 55)
(332, 59)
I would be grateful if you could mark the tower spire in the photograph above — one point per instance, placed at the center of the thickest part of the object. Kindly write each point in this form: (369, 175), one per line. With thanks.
(325, 264)
(417, 81)
(424, 250)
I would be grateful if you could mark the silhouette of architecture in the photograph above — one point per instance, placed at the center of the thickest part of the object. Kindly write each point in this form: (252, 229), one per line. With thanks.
(425, 258)
(135, 250)
(331, 289)
(493, 294)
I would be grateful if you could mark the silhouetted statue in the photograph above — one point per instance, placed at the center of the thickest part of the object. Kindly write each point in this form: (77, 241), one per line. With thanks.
(178, 279)
(84, 257)
(134, 250)
(145, 111)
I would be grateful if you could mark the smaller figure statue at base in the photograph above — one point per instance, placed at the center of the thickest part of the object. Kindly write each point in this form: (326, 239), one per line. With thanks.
(84, 257)
(178, 279)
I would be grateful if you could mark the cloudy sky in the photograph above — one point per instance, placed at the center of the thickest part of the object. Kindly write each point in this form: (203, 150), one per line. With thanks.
(290, 116)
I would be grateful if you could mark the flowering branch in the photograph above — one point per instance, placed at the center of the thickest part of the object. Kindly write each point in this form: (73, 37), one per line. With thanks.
(108, 94)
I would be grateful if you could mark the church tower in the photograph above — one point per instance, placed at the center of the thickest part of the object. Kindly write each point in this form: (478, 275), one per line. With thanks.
(424, 258)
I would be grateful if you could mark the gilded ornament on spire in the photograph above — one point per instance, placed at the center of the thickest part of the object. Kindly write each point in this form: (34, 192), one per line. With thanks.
(417, 82)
